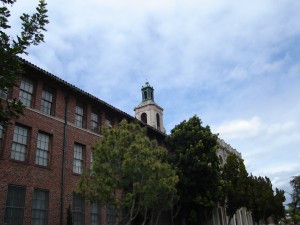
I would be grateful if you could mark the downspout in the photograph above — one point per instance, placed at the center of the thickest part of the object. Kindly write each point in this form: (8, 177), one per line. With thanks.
(63, 164)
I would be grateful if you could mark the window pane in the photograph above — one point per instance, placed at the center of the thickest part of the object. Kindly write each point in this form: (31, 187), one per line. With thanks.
(14, 210)
(18, 151)
(1, 137)
(78, 210)
(110, 215)
(78, 159)
(95, 213)
(40, 207)
(46, 102)
(26, 92)
(42, 151)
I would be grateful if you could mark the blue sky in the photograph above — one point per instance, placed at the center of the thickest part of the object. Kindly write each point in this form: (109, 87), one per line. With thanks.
(235, 64)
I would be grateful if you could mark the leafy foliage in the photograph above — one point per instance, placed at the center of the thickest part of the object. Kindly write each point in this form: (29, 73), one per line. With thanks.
(263, 202)
(193, 153)
(236, 189)
(294, 206)
(33, 27)
(130, 172)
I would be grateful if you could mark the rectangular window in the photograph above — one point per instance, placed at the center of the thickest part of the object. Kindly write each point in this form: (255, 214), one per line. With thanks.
(40, 204)
(3, 93)
(1, 138)
(95, 122)
(95, 214)
(91, 163)
(79, 115)
(108, 121)
(15, 201)
(78, 159)
(110, 215)
(42, 149)
(47, 100)
(78, 210)
(26, 92)
(19, 146)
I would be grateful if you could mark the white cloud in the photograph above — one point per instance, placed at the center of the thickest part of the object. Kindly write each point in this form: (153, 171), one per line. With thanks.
(241, 129)
(235, 64)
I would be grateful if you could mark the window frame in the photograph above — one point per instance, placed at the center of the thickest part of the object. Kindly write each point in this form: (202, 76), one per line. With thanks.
(44, 108)
(15, 143)
(45, 210)
(78, 213)
(30, 84)
(80, 118)
(19, 208)
(96, 128)
(77, 161)
(2, 131)
(48, 151)
(94, 214)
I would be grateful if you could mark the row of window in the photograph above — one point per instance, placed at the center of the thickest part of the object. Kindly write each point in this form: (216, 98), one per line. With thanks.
(43, 147)
(47, 102)
(15, 206)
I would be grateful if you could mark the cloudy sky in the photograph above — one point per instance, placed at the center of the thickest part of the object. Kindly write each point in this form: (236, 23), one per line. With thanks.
(235, 64)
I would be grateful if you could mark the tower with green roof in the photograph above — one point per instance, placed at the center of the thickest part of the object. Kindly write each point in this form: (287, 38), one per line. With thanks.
(148, 111)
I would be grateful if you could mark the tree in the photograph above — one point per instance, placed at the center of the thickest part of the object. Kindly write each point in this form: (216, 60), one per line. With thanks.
(263, 202)
(236, 190)
(294, 206)
(130, 173)
(10, 66)
(193, 153)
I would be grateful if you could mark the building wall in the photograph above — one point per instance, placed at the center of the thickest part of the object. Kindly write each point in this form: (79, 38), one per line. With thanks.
(31, 176)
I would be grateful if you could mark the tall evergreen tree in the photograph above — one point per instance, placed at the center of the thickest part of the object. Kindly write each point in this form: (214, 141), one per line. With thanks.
(32, 28)
(193, 153)
(236, 188)
(294, 206)
(131, 174)
(263, 202)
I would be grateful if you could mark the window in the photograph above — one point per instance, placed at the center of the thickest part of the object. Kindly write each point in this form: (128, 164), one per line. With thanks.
(1, 138)
(79, 115)
(110, 215)
(3, 93)
(14, 209)
(47, 100)
(108, 121)
(40, 204)
(78, 210)
(42, 149)
(95, 122)
(157, 121)
(26, 92)
(95, 214)
(144, 117)
(78, 159)
(91, 163)
(19, 146)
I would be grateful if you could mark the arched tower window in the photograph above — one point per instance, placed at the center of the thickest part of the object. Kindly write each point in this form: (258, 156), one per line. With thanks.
(145, 95)
(144, 117)
(221, 160)
(157, 120)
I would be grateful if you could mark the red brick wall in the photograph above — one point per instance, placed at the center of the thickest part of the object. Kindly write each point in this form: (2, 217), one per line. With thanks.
(32, 176)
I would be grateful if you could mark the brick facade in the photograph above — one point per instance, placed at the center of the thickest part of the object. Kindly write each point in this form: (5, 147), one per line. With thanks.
(60, 127)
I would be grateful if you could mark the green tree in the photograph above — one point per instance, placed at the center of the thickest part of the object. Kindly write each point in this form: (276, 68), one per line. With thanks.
(193, 153)
(236, 188)
(33, 27)
(294, 206)
(263, 202)
(131, 174)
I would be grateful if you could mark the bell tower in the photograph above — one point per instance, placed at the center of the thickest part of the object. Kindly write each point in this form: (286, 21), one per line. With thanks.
(148, 111)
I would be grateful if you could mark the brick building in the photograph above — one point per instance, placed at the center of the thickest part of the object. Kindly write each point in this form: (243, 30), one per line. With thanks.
(44, 152)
